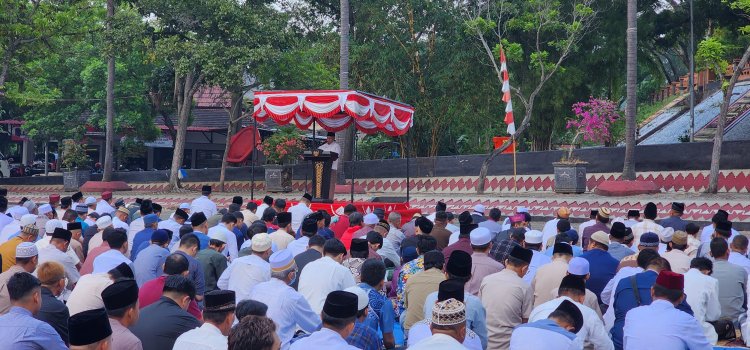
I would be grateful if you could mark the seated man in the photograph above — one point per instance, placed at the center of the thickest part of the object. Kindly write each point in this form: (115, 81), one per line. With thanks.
(557, 332)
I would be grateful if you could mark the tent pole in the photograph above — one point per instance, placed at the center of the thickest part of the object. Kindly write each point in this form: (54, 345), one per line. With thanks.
(252, 160)
(354, 157)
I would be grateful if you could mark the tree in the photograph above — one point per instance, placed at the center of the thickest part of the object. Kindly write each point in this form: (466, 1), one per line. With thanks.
(554, 34)
(109, 132)
(628, 168)
(345, 138)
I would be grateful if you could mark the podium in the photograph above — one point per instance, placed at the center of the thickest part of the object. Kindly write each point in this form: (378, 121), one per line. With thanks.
(322, 186)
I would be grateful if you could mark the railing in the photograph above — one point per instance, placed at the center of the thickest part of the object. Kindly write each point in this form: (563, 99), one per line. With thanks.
(700, 80)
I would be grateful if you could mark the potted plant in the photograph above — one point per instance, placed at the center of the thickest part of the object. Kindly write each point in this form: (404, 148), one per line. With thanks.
(591, 123)
(282, 150)
(75, 163)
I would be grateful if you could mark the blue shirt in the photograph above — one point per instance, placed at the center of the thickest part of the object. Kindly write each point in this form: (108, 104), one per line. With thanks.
(381, 314)
(363, 337)
(618, 250)
(602, 268)
(577, 251)
(202, 239)
(84, 225)
(140, 237)
(19, 330)
(195, 273)
(625, 301)
(149, 263)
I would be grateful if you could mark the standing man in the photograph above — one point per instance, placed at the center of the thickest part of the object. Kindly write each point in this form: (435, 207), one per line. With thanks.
(514, 308)
(203, 203)
(675, 217)
(332, 146)
(121, 302)
(661, 325)
(300, 211)
(219, 316)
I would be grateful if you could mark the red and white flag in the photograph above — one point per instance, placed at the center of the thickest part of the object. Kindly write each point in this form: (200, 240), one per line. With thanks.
(506, 94)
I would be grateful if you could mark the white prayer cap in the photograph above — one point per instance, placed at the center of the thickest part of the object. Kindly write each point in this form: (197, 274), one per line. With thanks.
(281, 260)
(666, 234)
(578, 266)
(90, 201)
(103, 222)
(44, 209)
(480, 236)
(479, 208)
(533, 237)
(522, 210)
(362, 298)
(17, 212)
(29, 205)
(371, 219)
(218, 235)
(261, 242)
(27, 219)
(51, 225)
(26, 250)
(184, 206)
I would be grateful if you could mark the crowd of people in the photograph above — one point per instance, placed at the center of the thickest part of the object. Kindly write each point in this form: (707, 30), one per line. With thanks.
(88, 273)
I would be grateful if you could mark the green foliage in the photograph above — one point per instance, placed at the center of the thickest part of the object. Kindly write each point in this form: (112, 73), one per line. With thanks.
(377, 146)
(74, 155)
(130, 148)
(284, 146)
(711, 54)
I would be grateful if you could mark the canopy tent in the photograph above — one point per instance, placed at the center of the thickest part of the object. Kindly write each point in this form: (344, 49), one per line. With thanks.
(335, 110)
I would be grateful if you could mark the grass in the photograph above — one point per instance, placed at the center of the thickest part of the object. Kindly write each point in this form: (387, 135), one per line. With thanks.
(646, 110)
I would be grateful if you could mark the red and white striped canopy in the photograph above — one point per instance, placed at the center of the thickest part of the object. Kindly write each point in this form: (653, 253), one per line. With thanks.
(334, 110)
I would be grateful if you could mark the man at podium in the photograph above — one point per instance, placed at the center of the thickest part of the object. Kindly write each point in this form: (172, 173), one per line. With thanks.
(332, 146)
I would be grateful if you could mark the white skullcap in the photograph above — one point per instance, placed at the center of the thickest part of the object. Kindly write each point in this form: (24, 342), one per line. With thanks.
(218, 235)
(281, 260)
(533, 237)
(90, 201)
(362, 298)
(261, 242)
(27, 219)
(184, 206)
(26, 250)
(44, 209)
(480, 236)
(103, 222)
(17, 212)
(51, 225)
(578, 266)
(479, 208)
(666, 234)
(371, 219)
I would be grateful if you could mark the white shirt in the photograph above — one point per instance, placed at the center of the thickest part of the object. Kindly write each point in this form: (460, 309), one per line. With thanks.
(287, 308)
(117, 223)
(740, 260)
(608, 293)
(322, 339)
(102, 207)
(231, 240)
(203, 204)
(593, 334)
(261, 208)
(702, 294)
(453, 228)
(299, 211)
(136, 226)
(243, 274)
(87, 295)
(709, 230)
(299, 245)
(679, 261)
(538, 259)
(388, 251)
(321, 277)
(332, 147)
(51, 253)
(438, 342)
(550, 230)
(528, 337)
(109, 260)
(9, 229)
(44, 242)
(421, 330)
(661, 326)
(205, 337)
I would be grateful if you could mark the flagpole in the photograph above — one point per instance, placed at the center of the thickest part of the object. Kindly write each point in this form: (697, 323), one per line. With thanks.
(515, 181)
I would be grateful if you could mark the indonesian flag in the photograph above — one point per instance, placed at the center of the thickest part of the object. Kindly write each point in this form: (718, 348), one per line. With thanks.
(506, 94)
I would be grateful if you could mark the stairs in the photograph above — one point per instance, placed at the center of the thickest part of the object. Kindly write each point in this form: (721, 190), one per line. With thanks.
(736, 110)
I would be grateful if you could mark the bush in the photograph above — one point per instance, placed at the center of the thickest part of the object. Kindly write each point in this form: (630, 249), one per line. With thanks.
(74, 155)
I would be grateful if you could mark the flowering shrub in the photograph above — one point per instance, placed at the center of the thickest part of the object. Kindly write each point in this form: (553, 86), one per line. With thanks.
(282, 147)
(592, 121)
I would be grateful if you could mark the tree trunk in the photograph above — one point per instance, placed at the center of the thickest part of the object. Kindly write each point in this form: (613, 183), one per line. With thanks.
(628, 169)
(235, 115)
(110, 128)
(346, 137)
(186, 88)
(713, 177)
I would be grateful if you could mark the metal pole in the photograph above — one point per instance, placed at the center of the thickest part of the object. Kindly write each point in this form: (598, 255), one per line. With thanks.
(354, 158)
(692, 75)
(408, 180)
(252, 161)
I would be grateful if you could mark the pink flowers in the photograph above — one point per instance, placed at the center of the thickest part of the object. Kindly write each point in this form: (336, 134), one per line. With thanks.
(283, 147)
(593, 119)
